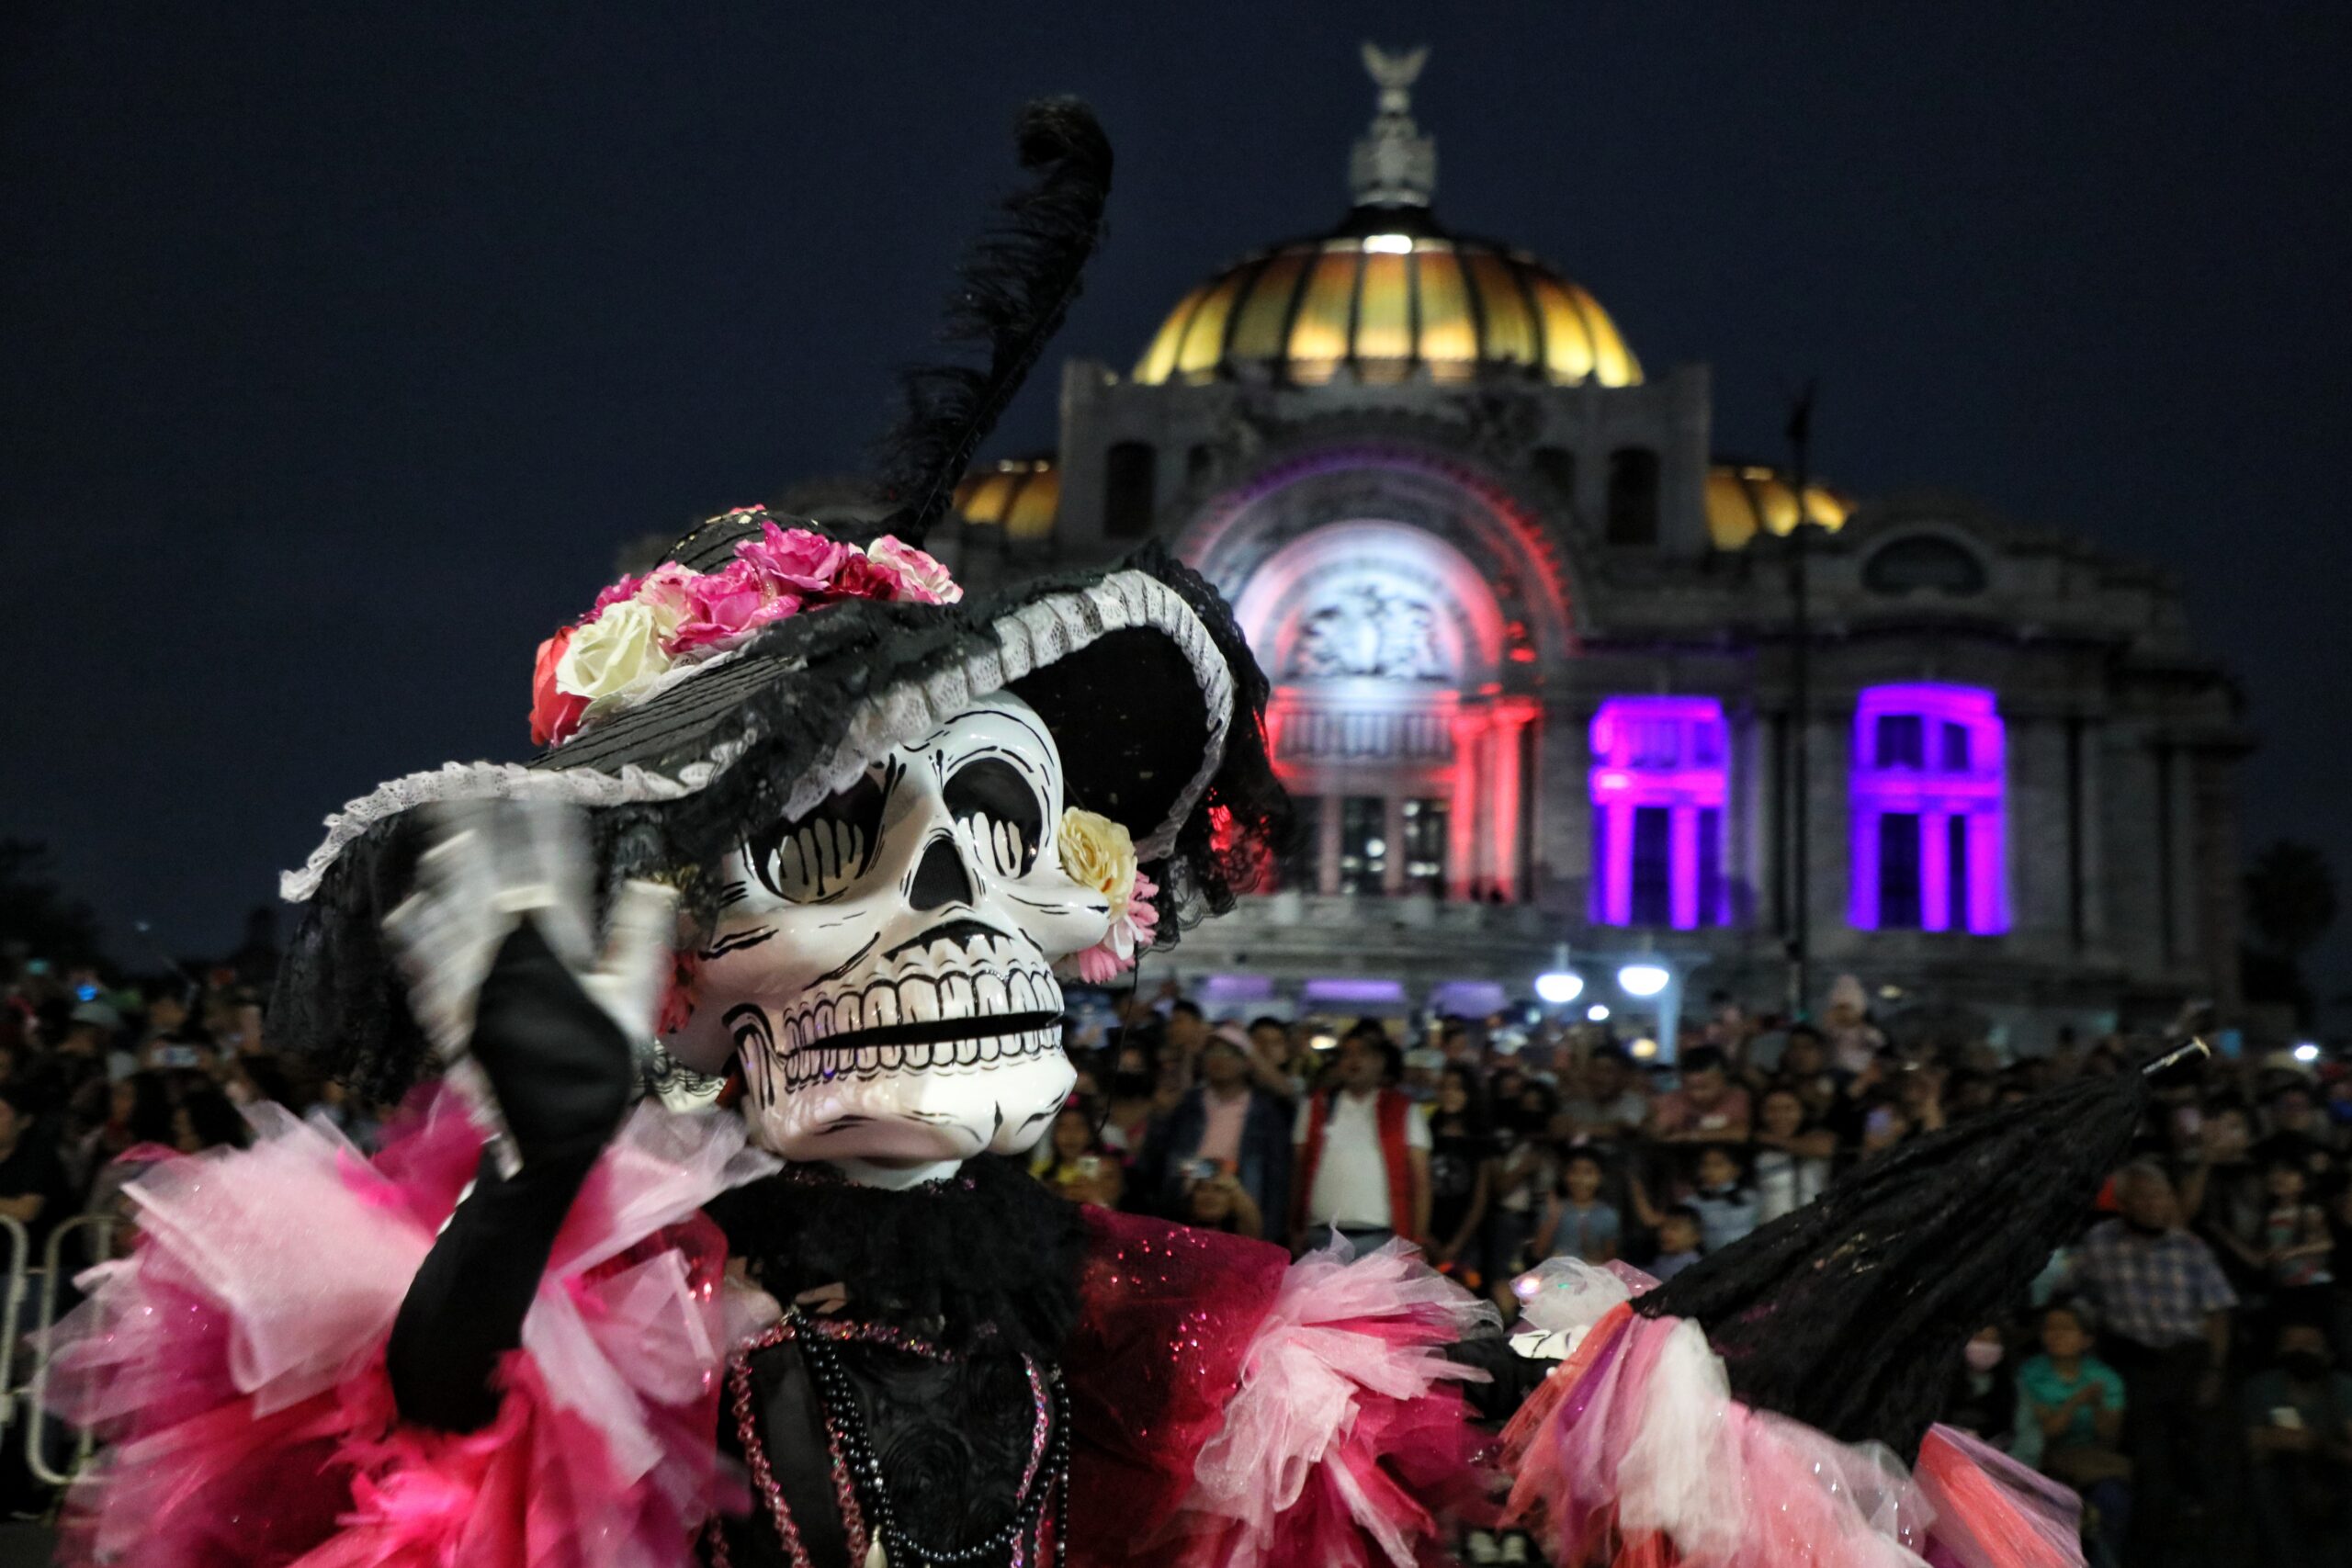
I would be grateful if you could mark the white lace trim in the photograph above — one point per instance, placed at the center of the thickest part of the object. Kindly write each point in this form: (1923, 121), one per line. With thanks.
(1038, 634)
(482, 781)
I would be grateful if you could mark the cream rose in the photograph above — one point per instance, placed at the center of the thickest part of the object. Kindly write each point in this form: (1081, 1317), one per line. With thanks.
(1097, 852)
(617, 651)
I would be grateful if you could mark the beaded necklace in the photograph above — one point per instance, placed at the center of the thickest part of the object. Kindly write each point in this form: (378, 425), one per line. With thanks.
(1025, 1541)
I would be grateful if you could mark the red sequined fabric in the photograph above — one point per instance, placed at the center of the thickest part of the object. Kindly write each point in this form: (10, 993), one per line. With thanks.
(1169, 1316)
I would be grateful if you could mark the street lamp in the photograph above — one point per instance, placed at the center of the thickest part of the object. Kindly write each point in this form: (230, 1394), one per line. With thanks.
(1597, 1012)
(1558, 987)
(1644, 978)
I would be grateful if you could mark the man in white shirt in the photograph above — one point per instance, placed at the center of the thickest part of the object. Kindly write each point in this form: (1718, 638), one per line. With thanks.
(1362, 1163)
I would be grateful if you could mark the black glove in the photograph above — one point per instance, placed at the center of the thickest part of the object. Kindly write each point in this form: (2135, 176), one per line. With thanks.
(562, 1071)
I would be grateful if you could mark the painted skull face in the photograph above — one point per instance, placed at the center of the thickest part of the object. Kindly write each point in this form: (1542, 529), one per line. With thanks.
(883, 966)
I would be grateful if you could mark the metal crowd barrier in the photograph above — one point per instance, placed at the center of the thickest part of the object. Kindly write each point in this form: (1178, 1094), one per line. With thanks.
(38, 1419)
(12, 1314)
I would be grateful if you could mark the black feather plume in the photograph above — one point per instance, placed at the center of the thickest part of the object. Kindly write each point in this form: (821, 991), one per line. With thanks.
(1015, 286)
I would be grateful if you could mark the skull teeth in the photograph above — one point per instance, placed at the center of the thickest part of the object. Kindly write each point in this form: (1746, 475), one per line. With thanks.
(830, 1063)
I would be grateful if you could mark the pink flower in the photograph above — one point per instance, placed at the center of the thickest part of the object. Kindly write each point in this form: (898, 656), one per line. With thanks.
(624, 589)
(1130, 933)
(795, 561)
(922, 578)
(668, 591)
(726, 606)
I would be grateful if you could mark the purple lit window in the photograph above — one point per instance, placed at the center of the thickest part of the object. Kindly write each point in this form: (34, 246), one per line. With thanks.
(1927, 808)
(1658, 812)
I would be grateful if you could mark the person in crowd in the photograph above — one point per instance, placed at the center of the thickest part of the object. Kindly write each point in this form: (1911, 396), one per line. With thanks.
(2298, 1248)
(2224, 1191)
(1612, 1106)
(1792, 1153)
(1227, 1125)
(2071, 1407)
(1526, 1168)
(1078, 1166)
(1853, 1042)
(1186, 1030)
(2165, 1307)
(1677, 1242)
(1982, 1399)
(1462, 1172)
(1362, 1158)
(208, 1119)
(1578, 1222)
(139, 1111)
(1728, 1207)
(1135, 1081)
(1883, 1122)
(1270, 1058)
(2297, 1130)
(1220, 1203)
(33, 1188)
(1920, 1090)
(2298, 1421)
(1707, 1108)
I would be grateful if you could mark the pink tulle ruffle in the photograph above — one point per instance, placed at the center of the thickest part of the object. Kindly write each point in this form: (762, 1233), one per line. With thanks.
(1345, 1432)
(1635, 1453)
(234, 1362)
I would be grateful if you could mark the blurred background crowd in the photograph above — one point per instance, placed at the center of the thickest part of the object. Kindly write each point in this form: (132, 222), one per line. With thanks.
(2177, 1365)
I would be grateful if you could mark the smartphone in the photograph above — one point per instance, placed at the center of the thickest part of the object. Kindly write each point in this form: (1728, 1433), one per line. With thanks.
(2287, 1416)
(1090, 1166)
(177, 1057)
(1200, 1169)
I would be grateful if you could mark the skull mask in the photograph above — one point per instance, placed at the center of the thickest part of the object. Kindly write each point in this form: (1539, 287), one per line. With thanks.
(882, 966)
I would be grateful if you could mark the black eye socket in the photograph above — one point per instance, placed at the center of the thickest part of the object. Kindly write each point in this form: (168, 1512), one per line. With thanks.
(999, 814)
(822, 854)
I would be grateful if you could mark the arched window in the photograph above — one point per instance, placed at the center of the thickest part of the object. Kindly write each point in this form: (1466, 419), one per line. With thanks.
(1130, 488)
(1558, 466)
(1658, 788)
(1633, 496)
(1924, 561)
(1926, 807)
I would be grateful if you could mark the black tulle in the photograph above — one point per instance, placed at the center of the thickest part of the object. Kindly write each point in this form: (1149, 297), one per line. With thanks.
(1849, 1314)
(987, 1256)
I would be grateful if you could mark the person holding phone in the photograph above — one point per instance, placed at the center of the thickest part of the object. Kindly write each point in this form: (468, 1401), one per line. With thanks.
(1227, 1125)
(2297, 1419)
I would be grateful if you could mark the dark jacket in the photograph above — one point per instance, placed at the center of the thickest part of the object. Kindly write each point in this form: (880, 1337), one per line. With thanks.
(1264, 1170)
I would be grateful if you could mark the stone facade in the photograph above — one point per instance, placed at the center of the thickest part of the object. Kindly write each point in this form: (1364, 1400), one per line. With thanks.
(1448, 568)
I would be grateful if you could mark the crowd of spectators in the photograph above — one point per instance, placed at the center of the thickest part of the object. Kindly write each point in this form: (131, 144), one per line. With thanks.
(2176, 1364)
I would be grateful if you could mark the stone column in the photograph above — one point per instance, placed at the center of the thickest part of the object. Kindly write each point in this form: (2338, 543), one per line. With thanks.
(1506, 787)
(1465, 816)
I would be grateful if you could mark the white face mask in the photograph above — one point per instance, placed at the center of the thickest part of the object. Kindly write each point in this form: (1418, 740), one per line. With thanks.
(882, 967)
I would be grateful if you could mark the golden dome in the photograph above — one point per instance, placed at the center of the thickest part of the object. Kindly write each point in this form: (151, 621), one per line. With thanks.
(1747, 499)
(1387, 296)
(1017, 494)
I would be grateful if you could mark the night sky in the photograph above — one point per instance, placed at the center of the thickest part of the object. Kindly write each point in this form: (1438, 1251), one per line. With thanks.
(343, 346)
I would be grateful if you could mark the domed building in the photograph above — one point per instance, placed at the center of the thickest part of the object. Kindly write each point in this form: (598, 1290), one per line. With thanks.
(1535, 654)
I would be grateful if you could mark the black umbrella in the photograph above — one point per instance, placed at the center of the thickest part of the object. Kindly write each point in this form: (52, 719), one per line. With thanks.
(1850, 1314)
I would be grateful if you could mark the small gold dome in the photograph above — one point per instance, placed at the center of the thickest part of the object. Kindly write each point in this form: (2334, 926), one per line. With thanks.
(1388, 295)
(1747, 499)
(1017, 494)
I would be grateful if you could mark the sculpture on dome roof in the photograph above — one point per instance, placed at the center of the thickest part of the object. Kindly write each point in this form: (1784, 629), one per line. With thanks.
(1393, 164)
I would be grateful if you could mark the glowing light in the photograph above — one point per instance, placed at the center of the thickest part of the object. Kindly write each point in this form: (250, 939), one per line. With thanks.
(1642, 1050)
(1389, 244)
(1559, 987)
(2307, 1052)
(1597, 1012)
(1927, 817)
(1659, 769)
(1643, 979)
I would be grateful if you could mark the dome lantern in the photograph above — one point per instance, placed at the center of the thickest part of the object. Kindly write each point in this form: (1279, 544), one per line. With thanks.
(1393, 164)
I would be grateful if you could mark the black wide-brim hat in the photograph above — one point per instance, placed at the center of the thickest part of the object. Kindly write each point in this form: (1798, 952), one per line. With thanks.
(1138, 669)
